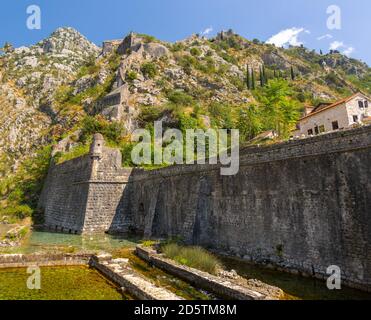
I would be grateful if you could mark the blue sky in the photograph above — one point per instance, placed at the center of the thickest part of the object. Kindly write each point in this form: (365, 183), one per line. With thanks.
(305, 21)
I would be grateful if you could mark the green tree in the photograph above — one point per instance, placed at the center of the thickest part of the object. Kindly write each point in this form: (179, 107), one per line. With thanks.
(292, 73)
(248, 80)
(249, 122)
(221, 115)
(253, 79)
(261, 77)
(265, 76)
(280, 110)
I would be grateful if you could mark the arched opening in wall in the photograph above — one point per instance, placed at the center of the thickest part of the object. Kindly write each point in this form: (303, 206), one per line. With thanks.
(56, 228)
(70, 231)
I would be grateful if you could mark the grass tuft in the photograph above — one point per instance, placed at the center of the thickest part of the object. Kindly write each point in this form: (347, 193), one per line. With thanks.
(194, 257)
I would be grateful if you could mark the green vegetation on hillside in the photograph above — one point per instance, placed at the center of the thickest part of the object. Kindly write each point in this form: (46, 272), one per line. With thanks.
(19, 193)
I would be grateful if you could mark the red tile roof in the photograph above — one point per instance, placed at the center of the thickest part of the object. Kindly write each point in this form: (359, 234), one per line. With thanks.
(335, 104)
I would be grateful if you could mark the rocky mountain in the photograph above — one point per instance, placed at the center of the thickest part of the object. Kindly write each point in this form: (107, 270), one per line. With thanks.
(59, 90)
(48, 87)
(29, 77)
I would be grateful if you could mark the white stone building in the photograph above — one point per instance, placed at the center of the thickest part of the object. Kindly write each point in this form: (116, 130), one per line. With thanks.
(342, 114)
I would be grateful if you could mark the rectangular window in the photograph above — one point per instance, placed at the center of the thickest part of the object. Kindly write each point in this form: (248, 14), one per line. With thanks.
(310, 132)
(366, 104)
(335, 125)
(322, 129)
(316, 130)
(360, 104)
(355, 118)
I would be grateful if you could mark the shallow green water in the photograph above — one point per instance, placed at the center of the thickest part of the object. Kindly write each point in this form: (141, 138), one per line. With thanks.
(54, 242)
(295, 287)
(58, 283)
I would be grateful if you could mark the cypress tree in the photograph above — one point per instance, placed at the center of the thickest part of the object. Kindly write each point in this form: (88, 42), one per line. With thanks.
(252, 79)
(292, 74)
(265, 76)
(261, 77)
(248, 77)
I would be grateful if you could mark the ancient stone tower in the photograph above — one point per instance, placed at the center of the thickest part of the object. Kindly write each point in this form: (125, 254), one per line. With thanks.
(96, 148)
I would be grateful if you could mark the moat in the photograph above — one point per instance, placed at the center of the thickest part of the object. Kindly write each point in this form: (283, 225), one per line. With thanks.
(93, 286)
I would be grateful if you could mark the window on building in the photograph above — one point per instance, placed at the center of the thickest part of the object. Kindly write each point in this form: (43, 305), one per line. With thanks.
(366, 104)
(310, 132)
(335, 125)
(355, 118)
(322, 129)
(316, 130)
(360, 104)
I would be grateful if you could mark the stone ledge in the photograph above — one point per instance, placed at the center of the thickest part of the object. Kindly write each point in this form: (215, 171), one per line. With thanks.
(118, 272)
(42, 260)
(200, 279)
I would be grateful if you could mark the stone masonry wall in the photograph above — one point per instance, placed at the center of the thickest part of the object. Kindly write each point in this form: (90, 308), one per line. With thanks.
(64, 196)
(84, 194)
(302, 205)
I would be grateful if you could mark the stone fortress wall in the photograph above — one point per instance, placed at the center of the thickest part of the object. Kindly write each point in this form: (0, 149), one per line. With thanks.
(83, 194)
(302, 205)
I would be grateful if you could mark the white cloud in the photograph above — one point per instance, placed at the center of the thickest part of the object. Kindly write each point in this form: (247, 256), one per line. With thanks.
(336, 45)
(207, 31)
(325, 36)
(348, 51)
(287, 37)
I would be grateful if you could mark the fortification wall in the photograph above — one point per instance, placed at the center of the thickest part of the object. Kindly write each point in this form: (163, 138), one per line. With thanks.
(64, 197)
(303, 205)
(84, 194)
